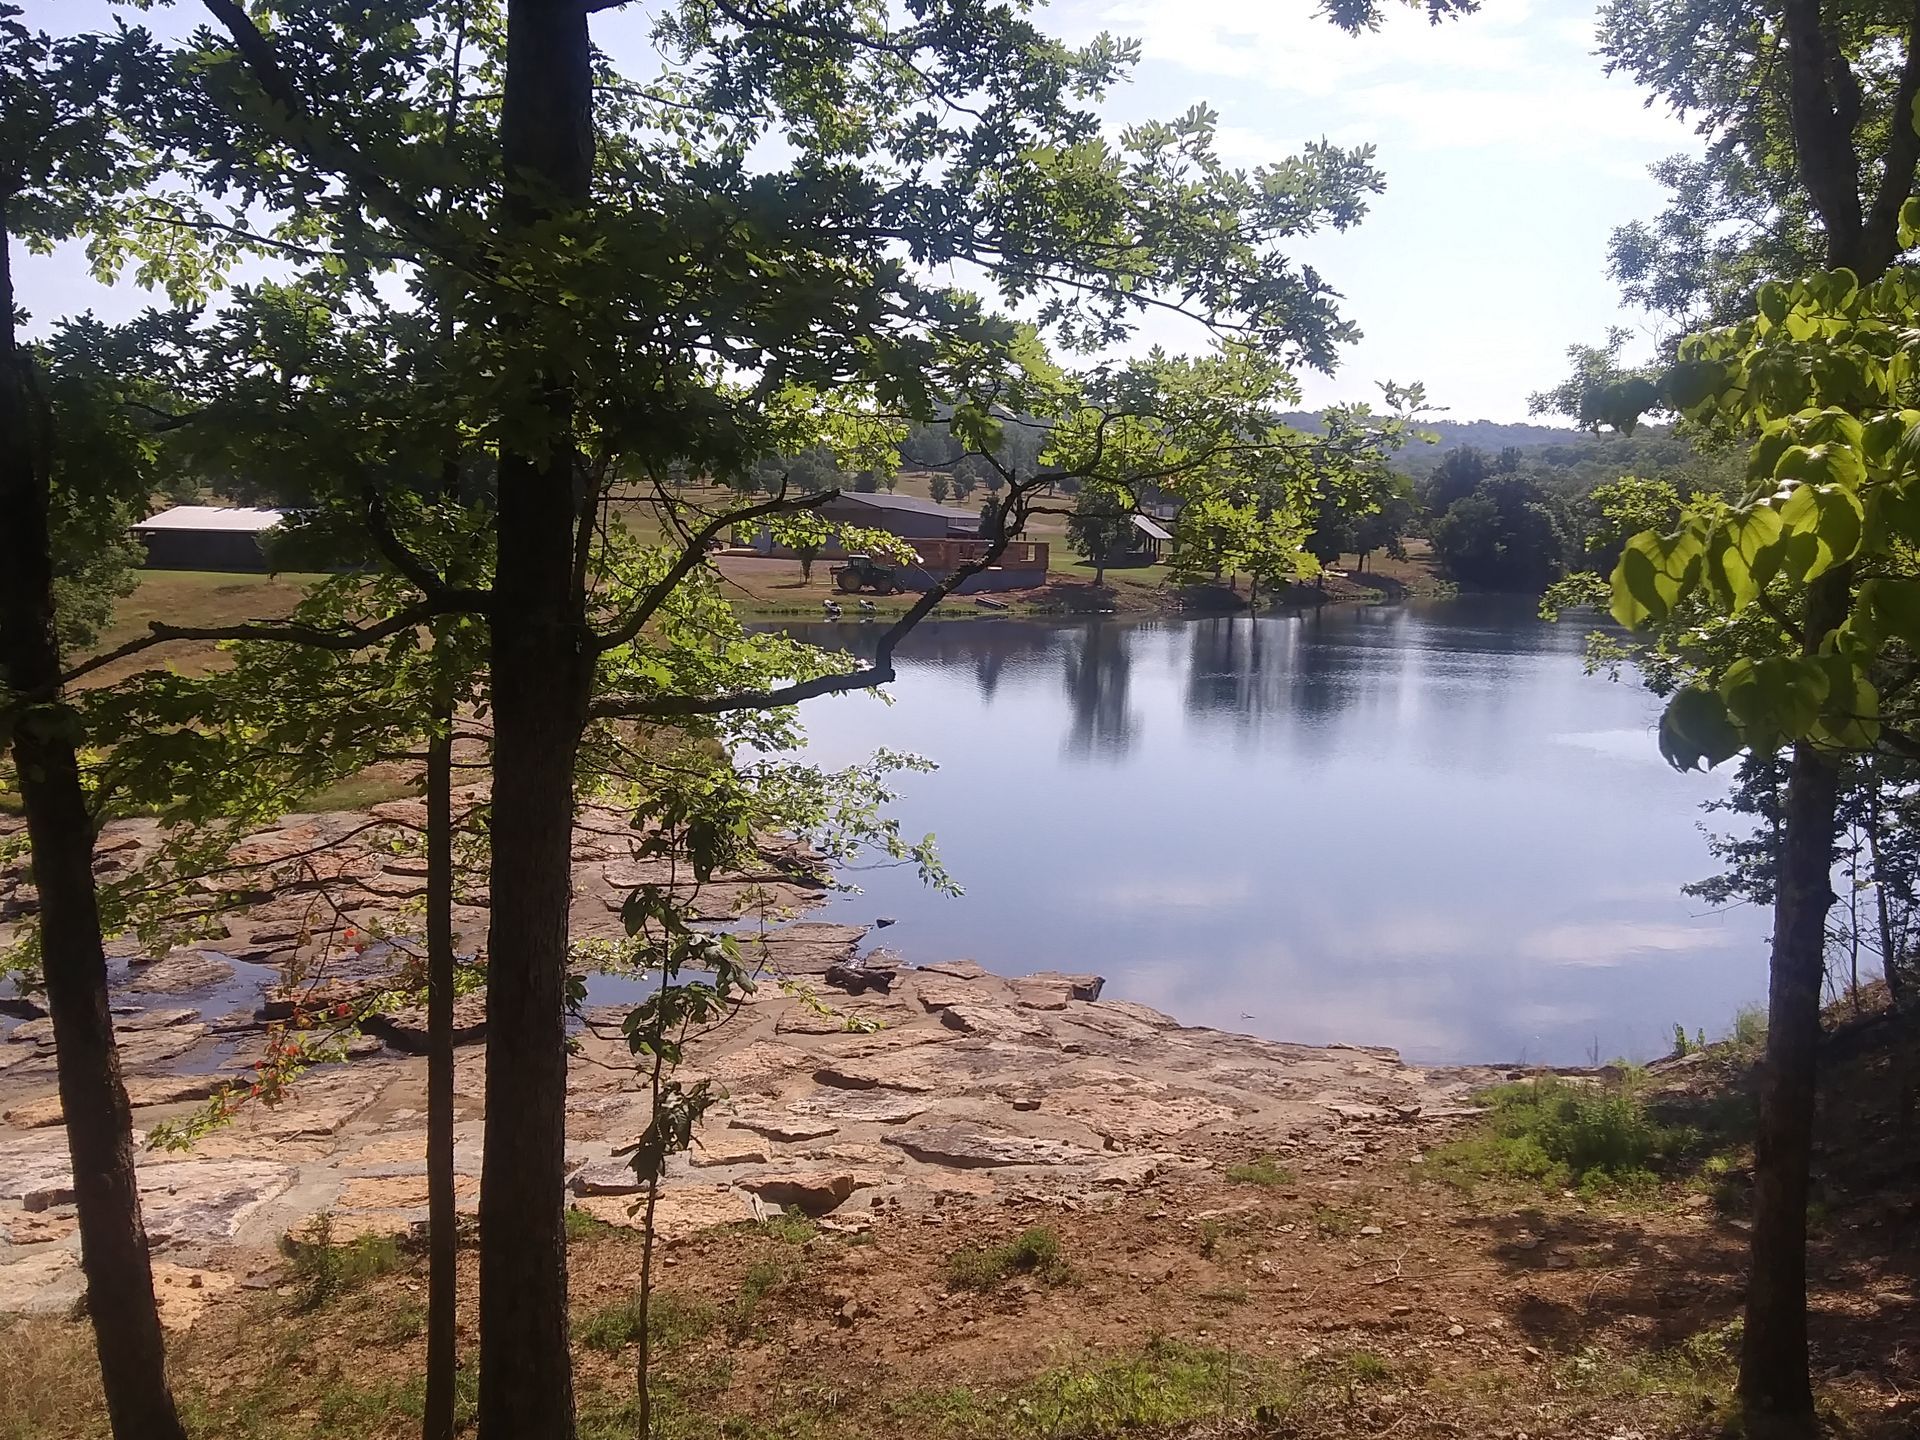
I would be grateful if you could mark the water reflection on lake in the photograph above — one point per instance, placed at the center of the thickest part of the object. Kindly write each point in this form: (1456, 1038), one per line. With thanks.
(1421, 826)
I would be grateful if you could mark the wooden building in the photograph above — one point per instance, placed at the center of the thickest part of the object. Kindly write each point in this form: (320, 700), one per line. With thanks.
(207, 537)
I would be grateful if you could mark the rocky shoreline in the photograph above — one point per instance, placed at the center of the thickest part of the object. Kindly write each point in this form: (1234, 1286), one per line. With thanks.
(853, 1087)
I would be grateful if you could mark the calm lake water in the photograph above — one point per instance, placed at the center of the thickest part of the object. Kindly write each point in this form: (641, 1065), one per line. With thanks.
(1420, 826)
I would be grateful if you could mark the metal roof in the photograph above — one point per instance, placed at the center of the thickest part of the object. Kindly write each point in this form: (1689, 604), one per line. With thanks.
(213, 517)
(908, 502)
(1149, 527)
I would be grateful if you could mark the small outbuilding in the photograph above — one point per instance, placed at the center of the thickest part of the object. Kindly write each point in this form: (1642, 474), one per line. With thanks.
(207, 537)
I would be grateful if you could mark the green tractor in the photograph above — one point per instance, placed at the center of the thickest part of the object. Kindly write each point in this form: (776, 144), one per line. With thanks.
(862, 572)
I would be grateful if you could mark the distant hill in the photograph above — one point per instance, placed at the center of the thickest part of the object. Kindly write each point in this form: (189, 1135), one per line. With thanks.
(1489, 435)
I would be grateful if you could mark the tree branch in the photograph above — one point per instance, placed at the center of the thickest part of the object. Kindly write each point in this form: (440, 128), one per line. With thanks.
(353, 637)
(1823, 145)
(321, 144)
(1882, 239)
(395, 551)
(880, 672)
(691, 554)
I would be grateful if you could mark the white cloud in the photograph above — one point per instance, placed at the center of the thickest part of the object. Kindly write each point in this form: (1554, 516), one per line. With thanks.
(1604, 944)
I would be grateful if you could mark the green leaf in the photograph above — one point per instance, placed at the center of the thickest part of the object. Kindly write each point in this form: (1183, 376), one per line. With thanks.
(1851, 718)
(1696, 728)
(1822, 464)
(1772, 302)
(1654, 572)
(1910, 212)
(1824, 525)
(1744, 554)
(1692, 383)
(1888, 610)
(1774, 698)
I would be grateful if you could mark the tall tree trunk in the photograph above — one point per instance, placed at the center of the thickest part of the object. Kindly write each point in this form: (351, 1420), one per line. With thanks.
(443, 1240)
(1775, 1392)
(1883, 913)
(541, 666)
(113, 1242)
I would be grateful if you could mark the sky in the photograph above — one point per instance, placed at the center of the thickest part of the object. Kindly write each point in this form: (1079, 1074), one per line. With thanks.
(1509, 158)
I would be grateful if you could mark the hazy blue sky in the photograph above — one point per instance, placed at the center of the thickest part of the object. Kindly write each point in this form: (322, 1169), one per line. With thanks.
(1509, 157)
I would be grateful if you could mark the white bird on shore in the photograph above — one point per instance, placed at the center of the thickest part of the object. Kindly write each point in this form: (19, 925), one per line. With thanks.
(867, 607)
(831, 608)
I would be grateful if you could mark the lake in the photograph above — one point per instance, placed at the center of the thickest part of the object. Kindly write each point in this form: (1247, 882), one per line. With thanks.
(1419, 825)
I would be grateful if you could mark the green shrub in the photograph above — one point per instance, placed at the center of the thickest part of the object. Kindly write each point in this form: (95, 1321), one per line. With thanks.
(1749, 1029)
(322, 1269)
(793, 1229)
(1035, 1252)
(1560, 1134)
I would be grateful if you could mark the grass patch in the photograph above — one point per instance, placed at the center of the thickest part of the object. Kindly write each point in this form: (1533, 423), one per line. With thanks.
(1034, 1252)
(1698, 1372)
(1168, 1388)
(1264, 1170)
(323, 1269)
(763, 1278)
(49, 1374)
(582, 1226)
(1554, 1133)
(674, 1320)
(375, 785)
(1224, 1295)
(1337, 1221)
(790, 1229)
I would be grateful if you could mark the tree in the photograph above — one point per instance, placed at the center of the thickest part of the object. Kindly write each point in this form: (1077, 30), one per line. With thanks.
(1808, 112)
(967, 474)
(1798, 598)
(1505, 535)
(792, 324)
(938, 487)
(1100, 525)
(1458, 474)
(61, 427)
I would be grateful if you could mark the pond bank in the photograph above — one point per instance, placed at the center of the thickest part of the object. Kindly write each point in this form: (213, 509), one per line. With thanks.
(927, 1086)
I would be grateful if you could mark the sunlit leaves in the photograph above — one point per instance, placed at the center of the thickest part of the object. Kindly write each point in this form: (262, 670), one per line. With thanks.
(1823, 525)
(1743, 554)
(1653, 573)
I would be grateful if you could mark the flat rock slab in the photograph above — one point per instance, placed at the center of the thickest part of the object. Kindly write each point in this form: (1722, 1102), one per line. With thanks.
(877, 1074)
(957, 969)
(724, 1150)
(1078, 987)
(46, 1282)
(963, 1148)
(938, 992)
(137, 1021)
(808, 947)
(149, 1047)
(869, 1107)
(995, 1022)
(400, 1192)
(406, 1028)
(180, 973)
(680, 1210)
(144, 1091)
(783, 1127)
(809, 1192)
(606, 1177)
